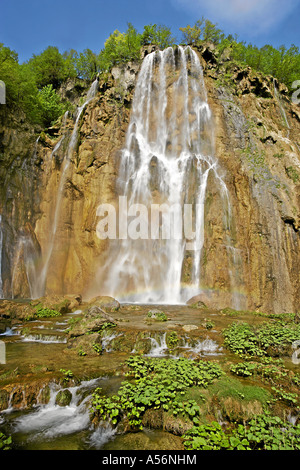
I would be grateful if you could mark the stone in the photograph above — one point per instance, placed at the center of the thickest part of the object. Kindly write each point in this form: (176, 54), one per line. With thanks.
(189, 327)
(207, 300)
(106, 303)
(63, 397)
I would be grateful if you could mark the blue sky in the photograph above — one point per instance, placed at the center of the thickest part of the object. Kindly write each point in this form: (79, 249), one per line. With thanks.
(30, 26)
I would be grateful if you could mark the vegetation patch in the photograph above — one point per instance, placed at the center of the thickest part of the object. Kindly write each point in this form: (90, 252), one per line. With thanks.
(264, 432)
(158, 384)
(46, 313)
(271, 339)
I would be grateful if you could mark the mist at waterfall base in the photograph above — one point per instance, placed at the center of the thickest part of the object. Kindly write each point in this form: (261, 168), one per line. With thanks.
(168, 159)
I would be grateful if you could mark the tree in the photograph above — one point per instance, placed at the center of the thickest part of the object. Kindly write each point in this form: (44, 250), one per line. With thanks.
(203, 30)
(120, 48)
(51, 106)
(211, 33)
(86, 64)
(49, 67)
(159, 35)
(192, 34)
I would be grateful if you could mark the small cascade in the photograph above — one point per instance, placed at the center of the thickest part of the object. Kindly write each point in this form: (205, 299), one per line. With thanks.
(106, 341)
(206, 347)
(41, 284)
(52, 420)
(160, 348)
(44, 338)
(52, 423)
(166, 166)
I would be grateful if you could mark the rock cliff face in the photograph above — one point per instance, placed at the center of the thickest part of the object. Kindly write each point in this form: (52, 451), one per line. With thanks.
(48, 225)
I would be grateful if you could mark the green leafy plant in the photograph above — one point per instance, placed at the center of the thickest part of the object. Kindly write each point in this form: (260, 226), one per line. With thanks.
(46, 313)
(158, 384)
(51, 104)
(289, 398)
(67, 375)
(264, 432)
(97, 348)
(212, 437)
(159, 316)
(81, 352)
(172, 339)
(266, 339)
(5, 442)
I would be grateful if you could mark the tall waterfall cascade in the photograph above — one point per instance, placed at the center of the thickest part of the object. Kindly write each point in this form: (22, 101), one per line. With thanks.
(166, 163)
(37, 264)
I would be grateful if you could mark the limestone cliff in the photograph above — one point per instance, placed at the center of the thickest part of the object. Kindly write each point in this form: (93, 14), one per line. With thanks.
(256, 143)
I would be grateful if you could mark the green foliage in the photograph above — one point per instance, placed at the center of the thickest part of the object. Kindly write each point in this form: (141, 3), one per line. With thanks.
(202, 31)
(209, 325)
(67, 375)
(292, 174)
(241, 339)
(50, 67)
(212, 437)
(282, 63)
(159, 35)
(81, 352)
(21, 90)
(51, 105)
(5, 442)
(288, 397)
(158, 384)
(264, 432)
(268, 338)
(122, 47)
(86, 64)
(46, 312)
(97, 348)
(159, 316)
(172, 339)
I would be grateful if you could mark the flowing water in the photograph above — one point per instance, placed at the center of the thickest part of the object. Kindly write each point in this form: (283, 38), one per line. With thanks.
(165, 166)
(42, 275)
(52, 426)
(282, 110)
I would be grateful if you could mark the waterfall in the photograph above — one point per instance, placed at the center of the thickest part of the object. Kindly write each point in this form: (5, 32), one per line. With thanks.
(166, 164)
(282, 110)
(26, 253)
(41, 285)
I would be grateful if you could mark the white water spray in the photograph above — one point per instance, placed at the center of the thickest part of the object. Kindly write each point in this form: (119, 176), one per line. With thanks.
(41, 284)
(167, 160)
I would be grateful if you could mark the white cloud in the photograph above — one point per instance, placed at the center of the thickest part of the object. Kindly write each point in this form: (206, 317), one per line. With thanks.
(252, 16)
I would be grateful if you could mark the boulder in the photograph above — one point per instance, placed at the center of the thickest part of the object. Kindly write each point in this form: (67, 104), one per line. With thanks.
(63, 398)
(60, 303)
(210, 300)
(94, 320)
(106, 303)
